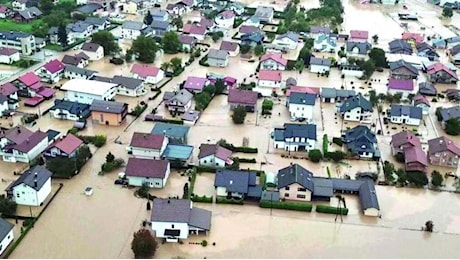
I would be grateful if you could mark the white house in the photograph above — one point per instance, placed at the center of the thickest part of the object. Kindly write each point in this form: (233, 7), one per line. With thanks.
(128, 86)
(132, 29)
(19, 5)
(149, 74)
(252, 21)
(174, 219)
(214, 155)
(93, 50)
(269, 82)
(289, 40)
(149, 146)
(10, 91)
(9, 55)
(6, 234)
(4, 108)
(301, 105)
(153, 173)
(178, 102)
(67, 110)
(422, 102)
(74, 72)
(409, 115)
(225, 19)
(65, 146)
(85, 91)
(356, 109)
(295, 137)
(51, 72)
(19, 144)
(320, 65)
(32, 187)
(273, 61)
(325, 43)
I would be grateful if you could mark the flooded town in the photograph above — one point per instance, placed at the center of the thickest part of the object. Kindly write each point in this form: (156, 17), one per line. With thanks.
(229, 129)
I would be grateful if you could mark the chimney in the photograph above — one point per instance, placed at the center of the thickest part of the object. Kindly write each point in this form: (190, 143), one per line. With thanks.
(35, 183)
(18, 130)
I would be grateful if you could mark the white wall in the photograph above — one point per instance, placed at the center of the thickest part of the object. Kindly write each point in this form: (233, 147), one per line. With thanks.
(6, 241)
(372, 212)
(221, 191)
(285, 43)
(29, 196)
(160, 227)
(301, 111)
(212, 161)
(9, 59)
(319, 68)
(269, 84)
(97, 55)
(87, 98)
(409, 121)
(292, 193)
(353, 115)
(151, 182)
(130, 34)
(68, 116)
(271, 65)
(145, 153)
(4, 107)
(225, 23)
(294, 146)
(72, 75)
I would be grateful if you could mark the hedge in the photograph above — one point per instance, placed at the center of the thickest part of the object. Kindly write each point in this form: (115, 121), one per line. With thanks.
(203, 199)
(171, 121)
(337, 141)
(220, 200)
(331, 210)
(239, 149)
(18, 241)
(202, 168)
(246, 160)
(307, 207)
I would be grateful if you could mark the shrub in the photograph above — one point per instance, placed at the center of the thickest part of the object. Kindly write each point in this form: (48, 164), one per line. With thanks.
(325, 143)
(28, 222)
(202, 199)
(144, 244)
(203, 168)
(7, 207)
(138, 110)
(143, 191)
(239, 114)
(204, 243)
(315, 155)
(336, 156)
(237, 149)
(246, 160)
(417, 178)
(97, 140)
(110, 166)
(436, 179)
(221, 200)
(298, 206)
(73, 131)
(337, 141)
(331, 210)
(400, 157)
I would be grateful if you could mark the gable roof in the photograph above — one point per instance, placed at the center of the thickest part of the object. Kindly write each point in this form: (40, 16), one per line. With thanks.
(420, 99)
(264, 11)
(145, 140)
(195, 83)
(8, 51)
(170, 130)
(363, 47)
(402, 110)
(412, 36)
(183, 96)
(38, 173)
(239, 96)
(334, 93)
(218, 54)
(194, 29)
(133, 25)
(442, 144)
(455, 50)
(401, 84)
(399, 45)
(80, 71)
(354, 102)
(450, 112)
(127, 82)
(74, 108)
(90, 46)
(107, 106)
(415, 154)
(244, 29)
(307, 131)
(88, 8)
(302, 99)
(403, 138)
(147, 168)
(295, 174)
(360, 139)
(438, 66)
(54, 66)
(270, 75)
(320, 29)
(180, 211)
(427, 88)
(229, 46)
(277, 57)
(31, 142)
(71, 60)
(5, 228)
(235, 181)
(69, 144)
(187, 39)
(30, 13)
(214, 149)
(424, 46)
(144, 70)
(29, 79)
(8, 88)
(359, 34)
(290, 35)
(401, 63)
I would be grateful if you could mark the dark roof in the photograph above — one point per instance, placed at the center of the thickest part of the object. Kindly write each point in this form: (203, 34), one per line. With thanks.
(449, 113)
(228, 46)
(334, 93)
(81, 71)
(427, 88)
(107, 106)
(150, 141)
(52, 134)
(71, 60)
(399, 45)
(30, 13)
(302, 99)
(322, 187)
(88, 8)
(401, 63)
(148, 168)
(5, 228)
(360, 139)
(127, 82)
(235, 181)
(270, 195)
(171, 210)
(300, 130)
(402, 110)
(424, 46)
(96, 20)
(320, 61)
(295, 174)
(170, 130)
(38, 173)
(3, 99)
(200, 218)
(363, 47)
(354, 102)
(404, 138)
(74, 108)
(368, 195)
(455, 50)
(90, 46)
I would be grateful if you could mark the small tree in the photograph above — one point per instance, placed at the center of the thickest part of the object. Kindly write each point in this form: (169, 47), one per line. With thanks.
(436, 179)
(177, 21)
(429, 226)
(219, 86)
(62, 35)
(388, 170)
(7, 207)
(145, 49)
(148, 19)
(239, 114)
(368, 68)
(373, 98)
(259, 50)
(106, 40)
(165, 66)
(267, 105)
(109, 158)
(447, 12)
(171, 43)
(453, 126)
(186, 191)
(417, 178)
(245, 48)
(402, 177)
(299, 66)
(176, 63)
(375, 38)
(315, 155)
(144, 244)
(377, 55)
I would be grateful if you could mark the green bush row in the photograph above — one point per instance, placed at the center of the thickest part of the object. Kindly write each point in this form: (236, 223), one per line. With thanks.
(202, 168)
(203, 199)
(68, 47)
(171, 121)
(221, 200)
(299, 206)
(331, 210)
(246, 160)
(97, 140)
(239, 149)
(337, 141)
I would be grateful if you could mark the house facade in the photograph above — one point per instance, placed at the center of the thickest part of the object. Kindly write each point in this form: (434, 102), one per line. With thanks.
(85, 91)
(214, 155)
(301, 105)
(150, 146)
(218, 58)
(237, 184)
(180, 102)
(440, 73)
(32, 187)
(93, 50)
(21, 41)
(68, 110)
(149, 74)
(319, 65)
(444, 152)
(6, 234)
(19, 144)
(9, 55)
(324, 43)
(66, 146)
(108, 112)
(403, 70)
(287, 41)
(409, 115)
(356, 109)
(51, 72)
(295, 183)
(269, 82)
(295, 137)
(361, 141)
(273, 61)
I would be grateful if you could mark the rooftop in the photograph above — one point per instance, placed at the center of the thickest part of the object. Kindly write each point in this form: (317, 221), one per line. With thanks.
(147, 168)
(88, 86)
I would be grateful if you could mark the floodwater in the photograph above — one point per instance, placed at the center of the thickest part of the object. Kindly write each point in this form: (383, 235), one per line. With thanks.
(109, 217)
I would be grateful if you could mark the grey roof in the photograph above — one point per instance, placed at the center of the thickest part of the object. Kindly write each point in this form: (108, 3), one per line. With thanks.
(235, 181)
(170, 130)
(53, 30)
(13, 36)
(363, 47)
(320, 61)
(200, 218)
(319, 29)
(291, 82)
(132, 25)
(302, 99)
(171, 210)
(449, 113)
(96, 20)
(402, 110)
(427, 88)
(38, 173)
(78, 70)
(158, 12)
(295, 174)
(270, 195)
(322, 187)
(334, 93)
(3, 99)
(30, 13)
(264, 11)
(291, 35)
(79, 26)
(90, 46)
(163, 25)
(401, 63)
(183, 96)
(218, 54)
(424, 46)
(107, 106)
(74, 108)
(300, 130)
(455, 50)
(5, 228)
(399, 45)
(360, 139)
(368, 195)
(354, 102)
(88, 8)
(127, 82)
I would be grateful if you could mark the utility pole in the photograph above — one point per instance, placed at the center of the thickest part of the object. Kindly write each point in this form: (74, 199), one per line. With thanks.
(339, 208)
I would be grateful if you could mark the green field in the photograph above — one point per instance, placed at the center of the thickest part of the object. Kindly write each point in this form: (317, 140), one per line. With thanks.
(10, 25)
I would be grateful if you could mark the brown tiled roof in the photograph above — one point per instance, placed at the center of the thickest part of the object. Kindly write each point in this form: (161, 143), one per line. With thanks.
(150, 141)
(146, 168)
(242, 96)
(442, 144)
(214, 149)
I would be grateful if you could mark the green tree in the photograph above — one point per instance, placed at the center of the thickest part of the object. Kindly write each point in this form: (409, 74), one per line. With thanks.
(210, 89)
(109, 157)
(239, 114)
(129, 55)
(299, 65)
(388, 170)
(7, 207)
(396, 97)
(145, 49)
(148, 18)
(453, 127)
(368, 68)
(107, 41)
(417, 178)
(176, 63)
(215, 37)
(202, 100)
(447, 12)
(267, 105)
(245, 48)
(375, 38)
(46, 6)
(220, 86)
(171, 43)
(177, 21)
(377, 55)
(259, 50)
(373, 97)
(402, 177)
(436, 179)
(315, 155)
(55, 18)
(62, 167)
(144, 244)
(165, 66)
(62, 35)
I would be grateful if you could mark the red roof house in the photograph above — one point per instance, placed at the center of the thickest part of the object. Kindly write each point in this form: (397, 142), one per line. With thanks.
(214, 155)
(273, 61)
(359, 36)
(415, 159)
(415, 37)
(147, 145)
(443, 151)
(154, 173)
(245, 98)
(270, 75)
(403, 140)
(66, 146)
(440, 73)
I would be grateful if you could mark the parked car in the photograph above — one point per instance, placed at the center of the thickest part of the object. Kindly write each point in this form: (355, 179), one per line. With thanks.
(121, 182)
(116, 61)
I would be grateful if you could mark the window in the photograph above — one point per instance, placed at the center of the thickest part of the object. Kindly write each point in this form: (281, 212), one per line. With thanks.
(347, 116)
(301, 189)
(286, 195)
(172, 226)
(286, 188)
(300, 196)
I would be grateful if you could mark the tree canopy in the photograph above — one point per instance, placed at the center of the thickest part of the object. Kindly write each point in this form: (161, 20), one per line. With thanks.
(144, 244)
(239, 114)
(436, 178)
(453, 126)
(377, 55)
(145, 49)
(148, 18)
(107, 41)
(170, 43)
(447, 12)
(62, 35)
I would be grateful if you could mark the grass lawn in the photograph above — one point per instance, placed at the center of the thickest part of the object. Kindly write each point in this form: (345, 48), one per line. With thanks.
(10, 25)
(53, 47)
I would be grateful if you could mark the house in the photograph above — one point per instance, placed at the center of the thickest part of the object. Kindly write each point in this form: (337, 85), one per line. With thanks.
(450, 113)
(440, 73)
(427, 51)
(27, 15)
(359, 36)
(195, 30)
(357, 49)
(149, 146)
(174, 219)
(253, 39)
(150, 172)
(6, 234)
(295, 183)
(88, 9)
(195, 84)
(10, 91)
(248, 29)
(149, 74)
(269, 81)
(9, 55)
(53, 35)
(412, 38)
(320, 65)
(232, 48)
(179, 102)
(402, 70)
(237, 184)
(159, 15)
(131, 29)
(403, 86)
(93, 50)
(403, 140)
(265, 13)
(356, 109)
(273, 61)
(409, 115)
(98, 23)
(252, 21)
(52, 71)
(188, 42)
(159, 28)
(415, 159)
(421, 102)
(443, 151)
(21, 41)
(332, 95)
(19, 144)
(73, 72)
(455, 55)
(68, 110)
(190, 117)
(361, 141)
(325, 43)
(128, 86)
(427, 89)
(225, 19)
(177, 134)
(18, 5)
(66, 146)
(287, 41)
(28, 84)
(80, 60)
(295, 137)
(79, 30)
(317, 30)
(210, 25)
(217, 58)
(245, 98)
(400, 47)
(4, 109)
(214, 155)
(32, 187)
(301, 106)
(108, 112)
(85, 91)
